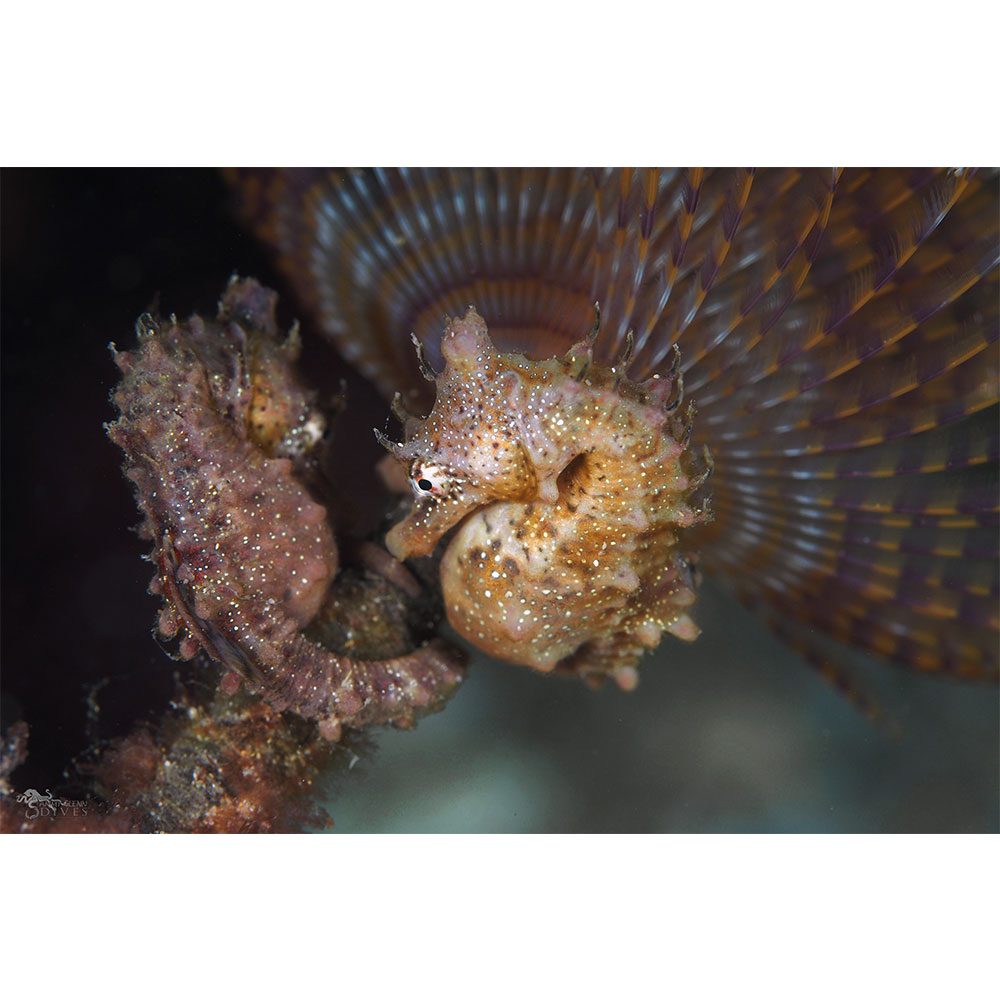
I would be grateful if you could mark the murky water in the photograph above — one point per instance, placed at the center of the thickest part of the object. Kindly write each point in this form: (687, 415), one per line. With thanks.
(731, 734)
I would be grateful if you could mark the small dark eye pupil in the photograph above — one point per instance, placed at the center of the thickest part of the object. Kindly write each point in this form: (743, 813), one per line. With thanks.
(425, 484)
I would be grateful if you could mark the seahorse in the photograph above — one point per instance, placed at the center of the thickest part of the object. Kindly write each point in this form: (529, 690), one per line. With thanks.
(218, 433)
(570, 486)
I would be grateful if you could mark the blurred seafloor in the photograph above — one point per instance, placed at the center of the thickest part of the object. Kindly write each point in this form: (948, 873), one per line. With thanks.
(729, 734)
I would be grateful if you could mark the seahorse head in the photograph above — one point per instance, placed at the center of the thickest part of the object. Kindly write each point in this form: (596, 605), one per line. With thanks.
(470, 450)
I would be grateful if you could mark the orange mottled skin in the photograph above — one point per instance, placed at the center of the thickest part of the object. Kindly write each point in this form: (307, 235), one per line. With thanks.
(569, 486)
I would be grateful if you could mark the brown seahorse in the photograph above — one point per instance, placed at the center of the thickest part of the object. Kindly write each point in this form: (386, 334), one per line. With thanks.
(218, 434)
(569, 485)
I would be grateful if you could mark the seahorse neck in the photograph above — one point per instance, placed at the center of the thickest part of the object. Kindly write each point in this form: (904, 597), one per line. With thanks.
(563, 418)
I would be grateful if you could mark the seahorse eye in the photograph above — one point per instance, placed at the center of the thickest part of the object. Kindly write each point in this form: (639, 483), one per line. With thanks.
(429, 480)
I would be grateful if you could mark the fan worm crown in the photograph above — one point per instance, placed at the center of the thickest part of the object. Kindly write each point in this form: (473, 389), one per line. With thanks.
(839, 330)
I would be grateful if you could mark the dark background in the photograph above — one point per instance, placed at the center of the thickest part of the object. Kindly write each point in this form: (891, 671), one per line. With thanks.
(730, 733)
(84, 252)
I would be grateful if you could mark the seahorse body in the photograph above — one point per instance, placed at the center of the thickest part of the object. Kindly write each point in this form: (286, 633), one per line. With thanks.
(217, 432)
(569, 484)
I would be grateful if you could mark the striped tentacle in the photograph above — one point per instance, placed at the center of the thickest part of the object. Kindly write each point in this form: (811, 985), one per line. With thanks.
(763, 282)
